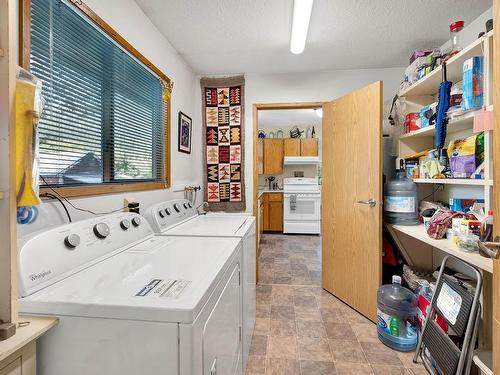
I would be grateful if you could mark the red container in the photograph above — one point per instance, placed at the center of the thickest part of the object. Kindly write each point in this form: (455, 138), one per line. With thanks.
(412, 122)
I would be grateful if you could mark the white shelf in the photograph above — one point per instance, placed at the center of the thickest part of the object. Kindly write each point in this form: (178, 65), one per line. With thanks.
(418, 232)
(453, 181)
(464, 122)
(429, 85)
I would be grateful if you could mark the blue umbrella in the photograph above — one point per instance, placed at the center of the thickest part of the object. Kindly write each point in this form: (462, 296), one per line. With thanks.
(442, 109)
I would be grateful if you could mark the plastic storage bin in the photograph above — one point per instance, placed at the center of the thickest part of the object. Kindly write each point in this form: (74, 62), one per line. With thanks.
(397, 316)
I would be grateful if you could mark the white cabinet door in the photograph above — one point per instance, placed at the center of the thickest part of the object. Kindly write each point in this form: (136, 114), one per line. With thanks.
(13, 368)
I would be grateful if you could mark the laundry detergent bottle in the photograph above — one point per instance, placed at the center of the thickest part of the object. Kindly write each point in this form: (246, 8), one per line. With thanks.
(401, 199)
(397, 316)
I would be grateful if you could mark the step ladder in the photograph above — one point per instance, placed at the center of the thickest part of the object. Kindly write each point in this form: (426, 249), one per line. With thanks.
(461, 309)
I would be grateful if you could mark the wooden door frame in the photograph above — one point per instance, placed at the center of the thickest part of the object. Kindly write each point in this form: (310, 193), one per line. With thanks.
(8, 249)
(495, 305)
(255, 119)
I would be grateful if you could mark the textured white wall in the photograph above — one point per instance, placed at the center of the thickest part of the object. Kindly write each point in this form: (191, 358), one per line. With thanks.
(304, 87)
(129, 20)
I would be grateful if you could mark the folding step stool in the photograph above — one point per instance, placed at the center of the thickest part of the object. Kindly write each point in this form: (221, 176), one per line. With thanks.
(461, 310)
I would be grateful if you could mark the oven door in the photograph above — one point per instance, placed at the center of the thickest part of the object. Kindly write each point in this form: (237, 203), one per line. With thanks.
(301, 206)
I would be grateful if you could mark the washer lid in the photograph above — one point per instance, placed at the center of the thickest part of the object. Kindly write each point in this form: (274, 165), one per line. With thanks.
(160, 279)
(213, 225)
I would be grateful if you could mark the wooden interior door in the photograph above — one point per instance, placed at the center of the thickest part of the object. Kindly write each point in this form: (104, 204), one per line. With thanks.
(352, 174)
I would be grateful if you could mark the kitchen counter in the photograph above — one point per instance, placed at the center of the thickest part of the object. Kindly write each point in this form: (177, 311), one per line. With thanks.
(259, 194)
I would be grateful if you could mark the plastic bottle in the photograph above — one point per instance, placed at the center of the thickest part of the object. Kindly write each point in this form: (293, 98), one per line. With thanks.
(397, 316)
(455, 31)
(401, 199)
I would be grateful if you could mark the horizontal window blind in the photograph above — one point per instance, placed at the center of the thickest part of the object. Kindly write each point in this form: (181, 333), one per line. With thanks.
(103, 119)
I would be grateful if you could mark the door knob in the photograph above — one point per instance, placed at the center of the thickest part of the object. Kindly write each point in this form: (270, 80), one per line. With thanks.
(370, 202)
(491, 249)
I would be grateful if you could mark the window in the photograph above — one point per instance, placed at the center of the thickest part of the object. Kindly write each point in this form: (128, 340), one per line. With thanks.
(105, 119)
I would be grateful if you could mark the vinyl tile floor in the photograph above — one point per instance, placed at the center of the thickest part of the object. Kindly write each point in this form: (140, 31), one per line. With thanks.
(303, 330)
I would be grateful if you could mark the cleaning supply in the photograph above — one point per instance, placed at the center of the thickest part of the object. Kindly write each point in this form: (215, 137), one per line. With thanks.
(26, 113)
(397, 316)
(462, 156)
(442, 109)
(401, 199)
(473, 70)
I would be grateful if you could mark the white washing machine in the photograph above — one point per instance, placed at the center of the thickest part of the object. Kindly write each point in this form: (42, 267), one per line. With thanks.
(130, 302)
(179, 218)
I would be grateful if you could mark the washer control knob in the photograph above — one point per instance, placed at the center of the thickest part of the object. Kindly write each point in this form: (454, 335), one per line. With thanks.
(136, 221)
(190, 205)
(125, 224)
(167, 211)
(72, 240)
(185, 206)
(101, 230)
(162, 215)
(177, 207)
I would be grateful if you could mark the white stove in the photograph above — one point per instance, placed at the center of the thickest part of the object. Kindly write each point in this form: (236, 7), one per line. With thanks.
(179, 218)
(301, 206)
(130, 302)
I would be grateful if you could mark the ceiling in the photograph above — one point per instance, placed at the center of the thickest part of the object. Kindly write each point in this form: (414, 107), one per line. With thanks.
(288, 117)
(252, 36)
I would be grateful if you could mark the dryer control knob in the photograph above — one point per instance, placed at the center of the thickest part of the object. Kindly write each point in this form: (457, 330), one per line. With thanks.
(177, 207)
(190, 205)
(167, 211)
(161, 214)
(125, 224)
(136, 221)
(101, 230)
(72, 240)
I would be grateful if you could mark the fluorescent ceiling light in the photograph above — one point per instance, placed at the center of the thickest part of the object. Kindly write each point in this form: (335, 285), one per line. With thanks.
(319, 112)
(300, 24)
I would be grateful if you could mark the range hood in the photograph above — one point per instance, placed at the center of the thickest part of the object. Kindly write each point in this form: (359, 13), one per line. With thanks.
(301, 160)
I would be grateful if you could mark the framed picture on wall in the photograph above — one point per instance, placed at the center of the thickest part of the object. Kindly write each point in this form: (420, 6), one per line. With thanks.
(185, 132)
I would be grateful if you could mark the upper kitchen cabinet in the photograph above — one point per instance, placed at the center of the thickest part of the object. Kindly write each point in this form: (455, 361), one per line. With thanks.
(260, 156)
(309, 147)
(292, 147)
(273, 156)
(301, 147)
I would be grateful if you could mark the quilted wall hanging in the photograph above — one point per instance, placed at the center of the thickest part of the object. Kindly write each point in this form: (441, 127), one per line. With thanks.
(223, 119)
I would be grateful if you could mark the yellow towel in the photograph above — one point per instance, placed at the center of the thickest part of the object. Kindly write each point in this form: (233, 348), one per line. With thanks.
(25, 100)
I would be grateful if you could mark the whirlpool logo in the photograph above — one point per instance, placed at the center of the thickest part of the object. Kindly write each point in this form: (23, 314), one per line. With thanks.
(41, 275)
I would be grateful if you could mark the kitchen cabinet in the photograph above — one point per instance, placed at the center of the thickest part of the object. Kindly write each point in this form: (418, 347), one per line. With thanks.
(261, 217)
(292, 147)
(273, 156)
(272, 212)
(309, 147)
(260, 156)
(18, 353)
(301, 147)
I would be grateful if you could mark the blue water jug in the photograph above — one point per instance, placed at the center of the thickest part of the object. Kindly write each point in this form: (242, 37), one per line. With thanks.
(397, 316)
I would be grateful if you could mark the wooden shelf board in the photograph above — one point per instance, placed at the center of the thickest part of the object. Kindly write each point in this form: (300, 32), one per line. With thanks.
(37, 326)
(418, 232)
(464, 122)
(453, 181)
(429, 85)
